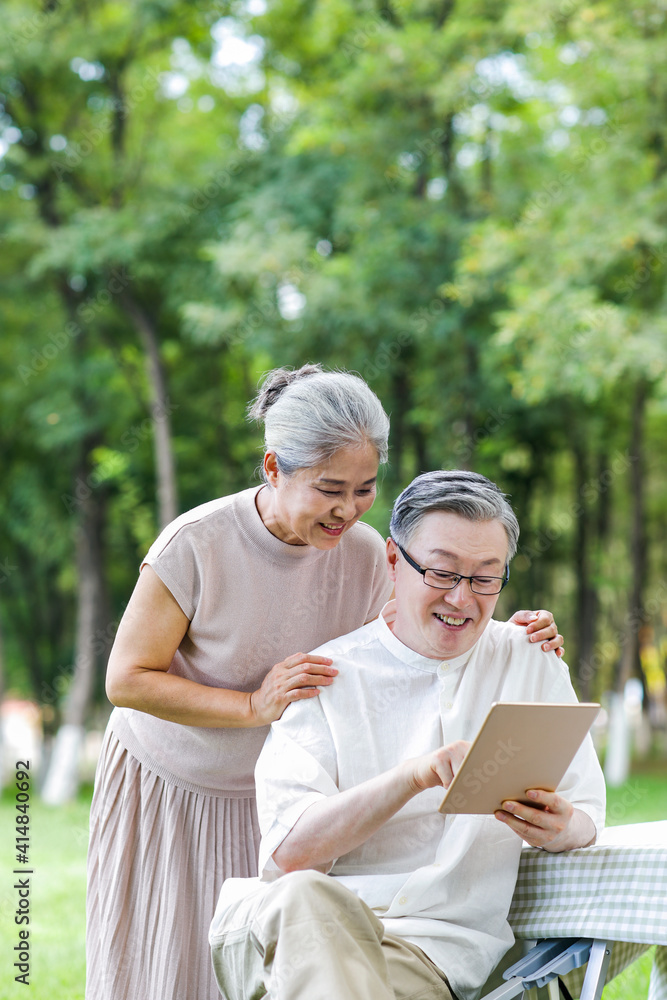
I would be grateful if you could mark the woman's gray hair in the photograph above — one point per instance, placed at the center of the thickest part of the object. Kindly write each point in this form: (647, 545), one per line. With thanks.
(310, 413)
(460, 492)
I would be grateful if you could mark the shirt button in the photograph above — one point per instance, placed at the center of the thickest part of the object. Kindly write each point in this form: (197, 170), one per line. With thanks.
(403, 900)
(448, 704)
(444, 667)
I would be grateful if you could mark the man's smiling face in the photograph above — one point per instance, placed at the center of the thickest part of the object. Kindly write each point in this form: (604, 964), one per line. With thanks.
(442, 624)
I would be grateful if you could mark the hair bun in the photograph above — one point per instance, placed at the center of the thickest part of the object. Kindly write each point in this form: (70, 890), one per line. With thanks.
(274, 384)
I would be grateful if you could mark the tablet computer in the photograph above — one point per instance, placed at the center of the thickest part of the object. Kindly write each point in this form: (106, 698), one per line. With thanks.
(521, 745)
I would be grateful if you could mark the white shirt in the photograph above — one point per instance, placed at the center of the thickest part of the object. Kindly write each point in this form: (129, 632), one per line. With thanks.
(443, 883)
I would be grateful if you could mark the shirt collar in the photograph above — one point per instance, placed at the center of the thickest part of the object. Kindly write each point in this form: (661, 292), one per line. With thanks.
(403, 652)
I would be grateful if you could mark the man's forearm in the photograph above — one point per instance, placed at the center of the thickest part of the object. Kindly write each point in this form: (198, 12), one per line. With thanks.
(336, 825)
(332, 827)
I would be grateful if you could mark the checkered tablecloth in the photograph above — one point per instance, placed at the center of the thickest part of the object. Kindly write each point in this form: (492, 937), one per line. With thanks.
(616, 890)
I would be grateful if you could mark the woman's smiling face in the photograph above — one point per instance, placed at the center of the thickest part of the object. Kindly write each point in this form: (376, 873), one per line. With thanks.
(317, 506)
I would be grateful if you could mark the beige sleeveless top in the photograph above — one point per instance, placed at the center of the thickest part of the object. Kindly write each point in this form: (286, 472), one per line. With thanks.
(252, 600)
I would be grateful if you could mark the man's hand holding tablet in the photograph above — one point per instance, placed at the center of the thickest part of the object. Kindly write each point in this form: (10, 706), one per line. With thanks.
(514, 766)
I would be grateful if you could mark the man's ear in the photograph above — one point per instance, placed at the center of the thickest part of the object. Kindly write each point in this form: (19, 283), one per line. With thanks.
(271, 468)
(392, 558)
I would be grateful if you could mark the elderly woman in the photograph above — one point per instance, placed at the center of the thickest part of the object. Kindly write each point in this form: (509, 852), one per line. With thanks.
(204, 661)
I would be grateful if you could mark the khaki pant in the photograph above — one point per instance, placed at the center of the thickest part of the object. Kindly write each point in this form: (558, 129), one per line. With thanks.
(306, 937)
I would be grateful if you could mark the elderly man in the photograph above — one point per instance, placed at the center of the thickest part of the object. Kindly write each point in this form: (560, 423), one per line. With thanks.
(367, 891)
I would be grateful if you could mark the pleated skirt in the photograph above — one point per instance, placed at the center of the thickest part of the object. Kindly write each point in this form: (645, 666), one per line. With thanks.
(157, 858)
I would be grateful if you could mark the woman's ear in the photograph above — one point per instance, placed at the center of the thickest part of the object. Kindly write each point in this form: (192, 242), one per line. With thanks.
(271, 468)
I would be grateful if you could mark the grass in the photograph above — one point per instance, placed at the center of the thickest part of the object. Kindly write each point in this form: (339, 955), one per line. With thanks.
(642, 799)
(58, 844)
(58, 841)
(632, 983)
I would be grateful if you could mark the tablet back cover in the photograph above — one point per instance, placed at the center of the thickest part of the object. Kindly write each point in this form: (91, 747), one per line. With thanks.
(521, 745)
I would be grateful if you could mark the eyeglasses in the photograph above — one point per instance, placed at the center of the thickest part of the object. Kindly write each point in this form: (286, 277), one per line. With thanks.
(442, 580)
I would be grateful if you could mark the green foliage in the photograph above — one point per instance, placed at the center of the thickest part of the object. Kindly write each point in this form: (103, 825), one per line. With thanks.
(463, 203)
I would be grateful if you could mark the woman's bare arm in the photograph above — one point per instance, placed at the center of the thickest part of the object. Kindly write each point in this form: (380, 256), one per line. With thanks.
(148, 636)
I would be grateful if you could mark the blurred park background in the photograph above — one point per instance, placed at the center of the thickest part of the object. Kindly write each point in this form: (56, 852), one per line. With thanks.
(466, 203)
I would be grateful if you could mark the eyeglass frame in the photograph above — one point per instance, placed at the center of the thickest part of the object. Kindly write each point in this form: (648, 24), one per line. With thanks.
(424, 570)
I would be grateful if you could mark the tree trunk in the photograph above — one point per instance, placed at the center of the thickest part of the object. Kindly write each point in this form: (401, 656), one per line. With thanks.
(62, 778)
(161, 408)
(486, 168)
(422, 461)
(400, 399)
(26, 610)
(587, 603)
(3, 764)
(455, 185)
(617, 764)
(638, 562)
(471, 409)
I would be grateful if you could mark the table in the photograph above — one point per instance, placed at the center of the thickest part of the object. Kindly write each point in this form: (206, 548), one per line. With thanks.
(614, 891)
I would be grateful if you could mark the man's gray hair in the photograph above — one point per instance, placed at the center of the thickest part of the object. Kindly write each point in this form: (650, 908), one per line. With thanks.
(460, 492)
(309, 414)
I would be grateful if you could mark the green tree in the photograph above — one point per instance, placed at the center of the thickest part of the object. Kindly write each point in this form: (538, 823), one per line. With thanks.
(111, 191)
